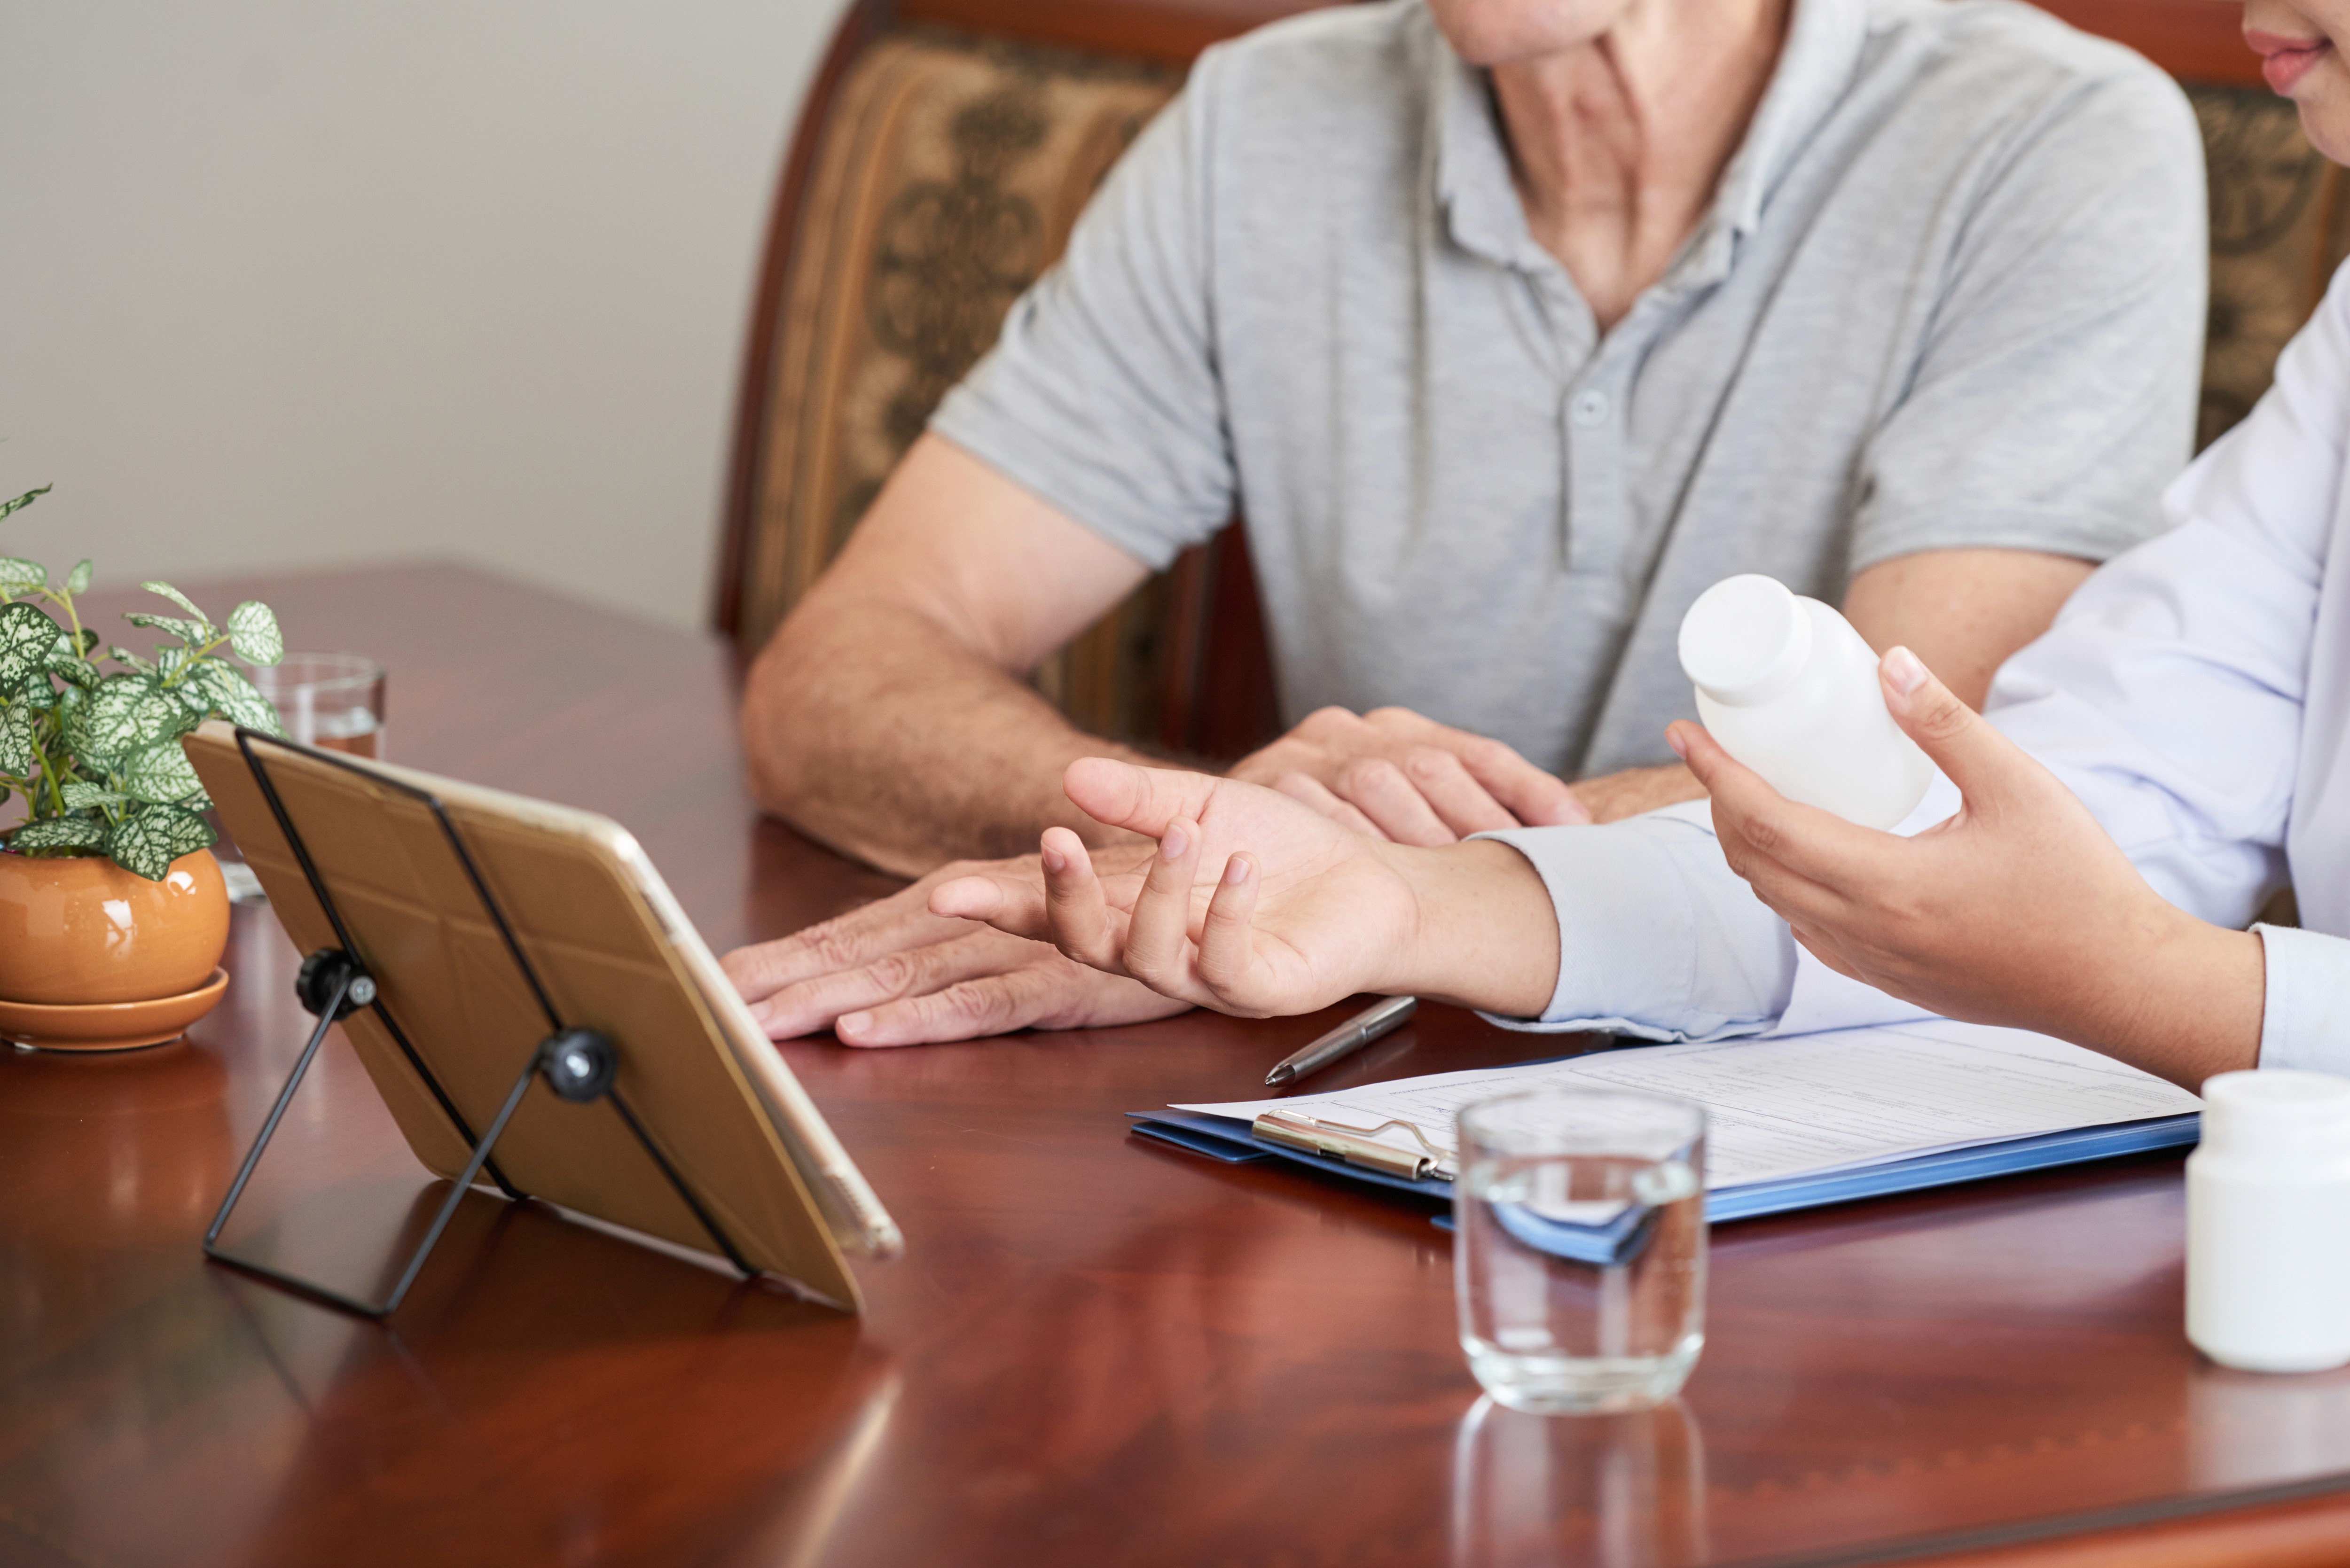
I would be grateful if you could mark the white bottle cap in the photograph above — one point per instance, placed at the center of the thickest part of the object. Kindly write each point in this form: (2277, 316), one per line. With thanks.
(2276, 1115)
(1745, 640)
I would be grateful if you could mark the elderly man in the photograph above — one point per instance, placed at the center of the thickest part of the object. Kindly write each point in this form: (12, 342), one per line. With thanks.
(1508, 325)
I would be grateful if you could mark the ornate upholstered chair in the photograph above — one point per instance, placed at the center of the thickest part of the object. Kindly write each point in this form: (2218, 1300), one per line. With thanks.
(943, 155)
(946, 148)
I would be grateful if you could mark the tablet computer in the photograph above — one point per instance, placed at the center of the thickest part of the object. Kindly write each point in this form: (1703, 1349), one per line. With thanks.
(488, 921)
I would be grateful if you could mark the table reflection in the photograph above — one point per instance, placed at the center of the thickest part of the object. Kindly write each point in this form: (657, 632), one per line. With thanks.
(785, 1403)
(1614, 1491)
(2252, 1428)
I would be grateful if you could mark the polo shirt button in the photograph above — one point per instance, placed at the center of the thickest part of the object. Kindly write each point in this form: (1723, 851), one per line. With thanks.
(1590, 408)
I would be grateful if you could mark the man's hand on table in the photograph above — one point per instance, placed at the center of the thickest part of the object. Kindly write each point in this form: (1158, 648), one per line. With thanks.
(892, 973)
(1391, 773)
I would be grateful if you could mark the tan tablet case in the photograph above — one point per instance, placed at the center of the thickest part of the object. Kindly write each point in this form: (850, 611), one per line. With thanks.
(580, 912)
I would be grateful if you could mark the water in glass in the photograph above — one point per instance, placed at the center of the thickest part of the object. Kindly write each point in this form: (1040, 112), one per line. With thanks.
(1580, 1249)
(333, 700)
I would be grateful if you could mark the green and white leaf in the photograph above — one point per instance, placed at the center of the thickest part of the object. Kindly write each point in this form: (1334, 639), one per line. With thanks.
(228, 693)
(160, 774)
(17, 752)
(179, 598)
(22, 501)
(60, 836)
(67, 666)
(40, 696)
(82, 796)
(18, 574)
(26, 637)
(123, 656)
(253, 632)
(147, 843)
(88, 640)
(77, 580)
(126, 714)
(194, 633)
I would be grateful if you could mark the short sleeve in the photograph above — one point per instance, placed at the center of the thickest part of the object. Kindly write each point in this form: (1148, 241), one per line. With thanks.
(1102, 396)
(2056, 395)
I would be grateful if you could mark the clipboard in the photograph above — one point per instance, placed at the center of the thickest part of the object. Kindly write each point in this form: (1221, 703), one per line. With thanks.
(533, 1008)
(1349, 1154)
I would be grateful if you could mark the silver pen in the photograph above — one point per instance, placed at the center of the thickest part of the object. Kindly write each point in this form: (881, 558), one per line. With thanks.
(1345, 1040)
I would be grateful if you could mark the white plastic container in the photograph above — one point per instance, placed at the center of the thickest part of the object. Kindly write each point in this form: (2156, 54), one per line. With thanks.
(1789, 688)
(2267, 1222)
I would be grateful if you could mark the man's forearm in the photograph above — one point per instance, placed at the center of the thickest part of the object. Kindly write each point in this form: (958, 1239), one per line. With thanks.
(869, 728)
(1612, 798)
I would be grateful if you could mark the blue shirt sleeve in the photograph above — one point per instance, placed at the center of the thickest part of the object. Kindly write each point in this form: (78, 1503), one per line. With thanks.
(2306, 1014)
(1658, 939)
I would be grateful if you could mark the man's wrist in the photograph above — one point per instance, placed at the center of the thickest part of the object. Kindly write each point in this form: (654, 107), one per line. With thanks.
(1484, 931)
(1611, 797)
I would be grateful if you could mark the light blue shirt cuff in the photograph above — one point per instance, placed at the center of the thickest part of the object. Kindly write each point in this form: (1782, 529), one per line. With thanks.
(1658, 939)
(2306, 1019)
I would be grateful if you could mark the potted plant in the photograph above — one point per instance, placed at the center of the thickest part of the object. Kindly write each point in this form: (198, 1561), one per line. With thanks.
(108, 894)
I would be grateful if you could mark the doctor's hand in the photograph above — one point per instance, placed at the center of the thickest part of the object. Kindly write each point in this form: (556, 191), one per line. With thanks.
(892, 973)
(1392, 773)
(1256, 905)
(2018, 910)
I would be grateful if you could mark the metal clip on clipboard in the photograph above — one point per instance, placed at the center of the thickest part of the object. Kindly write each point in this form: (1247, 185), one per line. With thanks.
(1357, 1145)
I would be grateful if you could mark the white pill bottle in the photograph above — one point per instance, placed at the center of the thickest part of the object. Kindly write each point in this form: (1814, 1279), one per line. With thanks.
(1789, 688)
(2267, 1222)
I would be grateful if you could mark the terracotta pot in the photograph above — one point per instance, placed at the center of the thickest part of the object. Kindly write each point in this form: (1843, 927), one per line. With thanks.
(83, 930)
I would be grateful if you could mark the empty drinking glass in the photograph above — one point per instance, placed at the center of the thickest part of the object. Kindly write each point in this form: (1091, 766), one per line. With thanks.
(1580, 1250)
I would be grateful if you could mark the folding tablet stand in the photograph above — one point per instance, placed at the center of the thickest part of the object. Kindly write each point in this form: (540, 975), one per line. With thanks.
(578, 1065)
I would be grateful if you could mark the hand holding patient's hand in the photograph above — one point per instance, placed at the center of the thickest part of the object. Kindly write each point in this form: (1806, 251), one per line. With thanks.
(2018, 910)
(1252, 904)
(1394, 775)
(893, 973)
(1256, 905)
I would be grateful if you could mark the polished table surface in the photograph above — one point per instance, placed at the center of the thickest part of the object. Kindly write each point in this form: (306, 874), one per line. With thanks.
(1096, 1349)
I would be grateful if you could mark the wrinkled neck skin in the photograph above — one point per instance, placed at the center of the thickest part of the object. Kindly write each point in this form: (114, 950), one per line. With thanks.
(1617, 141)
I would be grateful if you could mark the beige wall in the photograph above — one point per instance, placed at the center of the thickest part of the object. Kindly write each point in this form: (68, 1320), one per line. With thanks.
(301, 283)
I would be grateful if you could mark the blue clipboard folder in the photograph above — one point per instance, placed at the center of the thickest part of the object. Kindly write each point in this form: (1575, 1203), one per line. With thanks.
(1234, 1142)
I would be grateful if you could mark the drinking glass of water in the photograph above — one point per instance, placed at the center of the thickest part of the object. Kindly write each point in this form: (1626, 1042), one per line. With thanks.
(1580, 1250)
(329, 700)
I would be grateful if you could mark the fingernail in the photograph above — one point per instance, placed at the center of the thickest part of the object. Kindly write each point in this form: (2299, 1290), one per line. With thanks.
(1679, 746)
(1171, 848)
(853, 1023)
(1903, 671)
(1054, 862)
(1236, 871)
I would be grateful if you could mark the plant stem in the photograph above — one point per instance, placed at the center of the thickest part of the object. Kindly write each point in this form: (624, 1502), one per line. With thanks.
(194, 658)
(48, 771)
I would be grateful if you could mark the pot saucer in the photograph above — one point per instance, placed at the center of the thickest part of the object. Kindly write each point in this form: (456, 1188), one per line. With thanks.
(109, 1025)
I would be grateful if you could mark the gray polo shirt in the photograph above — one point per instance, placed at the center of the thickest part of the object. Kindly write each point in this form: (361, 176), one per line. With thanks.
(1950, 294)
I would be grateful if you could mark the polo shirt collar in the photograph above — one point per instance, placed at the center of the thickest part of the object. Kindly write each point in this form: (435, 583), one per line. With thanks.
(1479, 197)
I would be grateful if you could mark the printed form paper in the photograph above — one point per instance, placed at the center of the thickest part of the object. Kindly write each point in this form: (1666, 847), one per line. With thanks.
(1799, 1104)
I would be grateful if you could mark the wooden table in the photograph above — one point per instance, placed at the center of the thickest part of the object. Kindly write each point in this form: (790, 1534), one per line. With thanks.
(1095, 1350)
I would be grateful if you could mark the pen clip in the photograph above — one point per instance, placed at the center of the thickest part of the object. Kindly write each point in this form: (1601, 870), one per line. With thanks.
(1356, 1146)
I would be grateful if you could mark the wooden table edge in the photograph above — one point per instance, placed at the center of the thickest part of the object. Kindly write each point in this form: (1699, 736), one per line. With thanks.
(2303, 1524)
